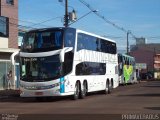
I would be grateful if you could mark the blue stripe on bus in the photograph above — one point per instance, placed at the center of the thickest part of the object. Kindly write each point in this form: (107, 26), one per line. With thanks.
(62, 85)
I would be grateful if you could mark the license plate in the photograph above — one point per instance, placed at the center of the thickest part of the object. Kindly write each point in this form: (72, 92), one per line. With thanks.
(38, 93)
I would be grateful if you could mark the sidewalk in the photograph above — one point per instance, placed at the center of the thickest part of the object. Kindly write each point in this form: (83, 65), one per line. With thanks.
(9, 93)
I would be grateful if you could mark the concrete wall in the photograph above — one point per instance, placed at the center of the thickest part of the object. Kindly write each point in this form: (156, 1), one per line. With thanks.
(3, 42)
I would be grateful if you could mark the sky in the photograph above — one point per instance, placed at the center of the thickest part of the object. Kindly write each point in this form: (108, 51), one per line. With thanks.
(141, 17)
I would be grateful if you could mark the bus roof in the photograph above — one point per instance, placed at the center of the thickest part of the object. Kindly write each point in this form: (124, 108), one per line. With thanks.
(44, 29)
(125, 55)
(92, 34)
(78, 30)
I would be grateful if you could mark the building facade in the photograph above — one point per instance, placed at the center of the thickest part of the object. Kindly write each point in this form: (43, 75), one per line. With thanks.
(145, 55)
(9, 9)
(8, 37)
(157, 66)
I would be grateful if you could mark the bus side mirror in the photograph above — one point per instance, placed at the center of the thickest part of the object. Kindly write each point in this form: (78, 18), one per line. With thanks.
(63, 51)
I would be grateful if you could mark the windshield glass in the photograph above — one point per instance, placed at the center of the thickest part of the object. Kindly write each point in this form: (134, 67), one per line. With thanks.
(40, 69)
(42, 41)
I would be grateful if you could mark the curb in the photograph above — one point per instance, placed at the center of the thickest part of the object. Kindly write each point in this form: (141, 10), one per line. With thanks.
(9, 93)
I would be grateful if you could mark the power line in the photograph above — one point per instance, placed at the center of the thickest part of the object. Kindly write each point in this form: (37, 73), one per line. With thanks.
(82, 17)
(110, 36)
(111, 23)
(105, 19)
(31, 26)
(40, 23)
(46, 21)
(24, 21)
(12, 24)
(101, 16)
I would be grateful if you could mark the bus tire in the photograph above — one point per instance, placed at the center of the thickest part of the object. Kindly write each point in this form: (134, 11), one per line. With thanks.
(83, 90)
(76, 91)
(111, 86)
(107, 88)
(124, 83)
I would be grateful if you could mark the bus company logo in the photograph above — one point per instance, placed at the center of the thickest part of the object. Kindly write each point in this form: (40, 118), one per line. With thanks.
(86, 55)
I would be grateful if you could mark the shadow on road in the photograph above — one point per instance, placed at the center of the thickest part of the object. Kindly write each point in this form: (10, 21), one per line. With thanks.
(152, 108)
(16, 98)
(32, 100)
(153, 84)
(143, 95)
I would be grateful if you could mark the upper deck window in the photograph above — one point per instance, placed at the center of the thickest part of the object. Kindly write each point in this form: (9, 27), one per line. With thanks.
(42, 41)
(69, 38)
(89, 42)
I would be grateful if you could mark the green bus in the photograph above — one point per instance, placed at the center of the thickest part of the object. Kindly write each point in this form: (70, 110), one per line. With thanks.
(127, 69)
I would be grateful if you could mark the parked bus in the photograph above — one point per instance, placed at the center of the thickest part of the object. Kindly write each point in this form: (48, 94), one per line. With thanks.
(66, 61)
(127, 69)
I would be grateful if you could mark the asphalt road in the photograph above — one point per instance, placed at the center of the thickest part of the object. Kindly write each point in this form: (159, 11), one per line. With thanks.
(142, 98)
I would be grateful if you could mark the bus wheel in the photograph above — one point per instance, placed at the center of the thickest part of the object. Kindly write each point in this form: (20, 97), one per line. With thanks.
(124, 83)
(107, 88)
(110, 86)
(76, 91)
(83, 90)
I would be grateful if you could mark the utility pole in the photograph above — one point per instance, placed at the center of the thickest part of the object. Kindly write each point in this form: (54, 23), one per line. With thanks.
(128, 32)
(66, 14)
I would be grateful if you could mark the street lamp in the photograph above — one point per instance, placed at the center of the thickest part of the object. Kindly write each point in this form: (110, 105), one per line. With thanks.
(83, 16)
(72, 16)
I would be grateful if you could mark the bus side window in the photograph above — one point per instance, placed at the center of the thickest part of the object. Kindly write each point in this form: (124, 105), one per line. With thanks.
(98, 45)
(69, 42)
(58, 38)
(39, 40)
(80, 42)
(52, 39)
(68, 62)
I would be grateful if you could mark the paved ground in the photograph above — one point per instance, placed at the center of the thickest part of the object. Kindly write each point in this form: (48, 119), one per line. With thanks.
(143, 98)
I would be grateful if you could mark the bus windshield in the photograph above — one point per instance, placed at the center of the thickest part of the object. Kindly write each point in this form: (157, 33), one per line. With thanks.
(42, 41)
(40, 69)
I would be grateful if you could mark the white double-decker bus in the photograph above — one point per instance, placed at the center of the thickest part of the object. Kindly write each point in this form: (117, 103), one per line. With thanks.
(66, 61)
